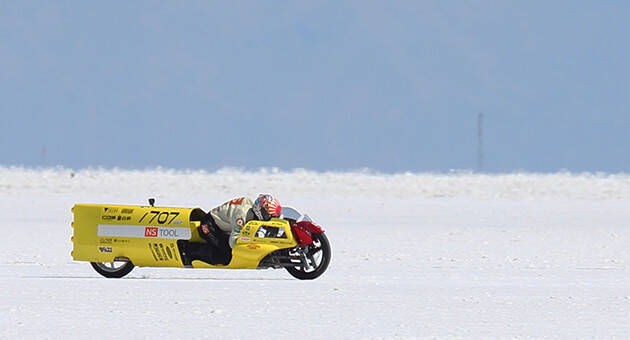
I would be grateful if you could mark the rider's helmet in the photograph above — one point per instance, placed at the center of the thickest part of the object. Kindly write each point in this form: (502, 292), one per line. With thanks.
(266, 207)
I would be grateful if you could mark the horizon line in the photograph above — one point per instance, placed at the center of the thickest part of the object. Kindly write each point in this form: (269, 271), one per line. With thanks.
(279, 170)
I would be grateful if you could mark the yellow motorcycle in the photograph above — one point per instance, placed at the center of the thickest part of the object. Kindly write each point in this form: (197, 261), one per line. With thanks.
(115, 238)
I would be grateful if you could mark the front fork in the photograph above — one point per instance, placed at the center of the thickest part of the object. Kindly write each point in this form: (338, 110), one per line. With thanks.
(306, 257)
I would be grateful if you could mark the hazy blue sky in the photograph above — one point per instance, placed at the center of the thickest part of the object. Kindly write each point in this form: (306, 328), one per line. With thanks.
(325, 85)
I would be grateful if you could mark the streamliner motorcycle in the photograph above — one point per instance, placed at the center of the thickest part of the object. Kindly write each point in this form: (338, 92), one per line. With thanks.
(115, 238)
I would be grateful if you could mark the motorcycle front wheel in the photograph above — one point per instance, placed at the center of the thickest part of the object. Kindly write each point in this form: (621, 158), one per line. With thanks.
(115, 270)
(320, 254)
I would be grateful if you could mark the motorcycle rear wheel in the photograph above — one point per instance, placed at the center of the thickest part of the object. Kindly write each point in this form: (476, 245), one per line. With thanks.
(320, 245)
(113, 270)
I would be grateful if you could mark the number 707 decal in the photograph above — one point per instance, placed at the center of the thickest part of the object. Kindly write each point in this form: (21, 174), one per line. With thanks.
(162, 216)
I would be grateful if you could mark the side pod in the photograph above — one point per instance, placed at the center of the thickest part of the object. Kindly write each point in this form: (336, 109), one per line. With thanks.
(146, 236)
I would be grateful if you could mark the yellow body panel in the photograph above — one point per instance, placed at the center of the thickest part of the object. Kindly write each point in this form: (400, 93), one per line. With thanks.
(249, 249)
(148, 236)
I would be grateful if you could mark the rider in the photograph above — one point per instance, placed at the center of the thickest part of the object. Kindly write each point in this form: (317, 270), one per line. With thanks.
(221, 226)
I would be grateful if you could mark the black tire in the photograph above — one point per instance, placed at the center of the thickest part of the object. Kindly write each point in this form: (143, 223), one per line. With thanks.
(322, 251)
(110, 270)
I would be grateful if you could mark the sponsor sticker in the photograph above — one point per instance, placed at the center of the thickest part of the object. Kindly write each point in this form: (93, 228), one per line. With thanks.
(111, 210)
(138, 231)
(108, 217)
(150, 232)
(245, 239)
(105, 249)
(253, 246)
(126, 211)
(175, 233)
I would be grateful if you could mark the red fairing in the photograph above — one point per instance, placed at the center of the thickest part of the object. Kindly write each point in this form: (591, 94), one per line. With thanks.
(302, 232)
(310, 227)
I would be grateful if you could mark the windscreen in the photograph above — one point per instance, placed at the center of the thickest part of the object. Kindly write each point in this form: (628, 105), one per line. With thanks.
(288, 212)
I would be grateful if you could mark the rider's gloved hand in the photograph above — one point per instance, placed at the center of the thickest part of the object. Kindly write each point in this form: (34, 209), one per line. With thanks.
(209, 233)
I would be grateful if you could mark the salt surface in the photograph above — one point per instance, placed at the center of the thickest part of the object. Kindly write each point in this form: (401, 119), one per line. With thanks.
(414, 255)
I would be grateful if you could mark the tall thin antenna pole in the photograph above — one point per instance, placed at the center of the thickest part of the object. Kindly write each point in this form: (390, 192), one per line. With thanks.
(480, 143)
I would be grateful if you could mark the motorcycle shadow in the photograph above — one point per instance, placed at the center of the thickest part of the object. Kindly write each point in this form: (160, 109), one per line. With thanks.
(149, 278)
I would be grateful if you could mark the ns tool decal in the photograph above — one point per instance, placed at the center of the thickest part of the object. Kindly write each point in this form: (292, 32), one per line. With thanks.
(138, 231)
(163, 232)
